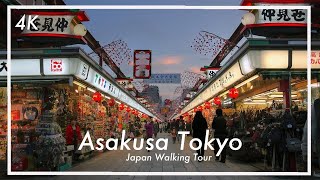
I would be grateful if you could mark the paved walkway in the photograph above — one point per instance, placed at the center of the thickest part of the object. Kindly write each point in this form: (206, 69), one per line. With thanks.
(115, 161)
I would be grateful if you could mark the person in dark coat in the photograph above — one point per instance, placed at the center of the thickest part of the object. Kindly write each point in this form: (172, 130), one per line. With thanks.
(176, 125)
(220, 132)
(199, 127)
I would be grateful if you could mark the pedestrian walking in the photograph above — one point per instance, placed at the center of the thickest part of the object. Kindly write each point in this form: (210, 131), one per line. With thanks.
(220, 132)
(149, 130)
(174, 135)
(155, 129)
(199, 126)
(176, 126)
(188, 127)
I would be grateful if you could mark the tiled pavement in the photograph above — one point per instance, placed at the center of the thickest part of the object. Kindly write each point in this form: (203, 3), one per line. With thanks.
(115, 161)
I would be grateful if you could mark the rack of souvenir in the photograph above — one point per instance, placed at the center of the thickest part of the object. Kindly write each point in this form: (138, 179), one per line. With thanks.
(86, 120)
(50, 146)
(25, 112)
(3, 129)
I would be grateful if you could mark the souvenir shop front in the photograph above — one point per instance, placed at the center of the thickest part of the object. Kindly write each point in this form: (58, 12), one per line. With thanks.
(263, 93)
(57, 96)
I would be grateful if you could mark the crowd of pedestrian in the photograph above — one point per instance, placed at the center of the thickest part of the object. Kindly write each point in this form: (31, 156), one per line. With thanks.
(197, 129)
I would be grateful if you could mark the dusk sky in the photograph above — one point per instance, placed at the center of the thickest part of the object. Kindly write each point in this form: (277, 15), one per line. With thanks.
(168, 33)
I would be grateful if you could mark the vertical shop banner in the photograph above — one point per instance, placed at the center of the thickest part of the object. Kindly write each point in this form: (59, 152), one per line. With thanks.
(281, 15)
(211, 73)
(142, 64)
(82, 70)
(123, 82)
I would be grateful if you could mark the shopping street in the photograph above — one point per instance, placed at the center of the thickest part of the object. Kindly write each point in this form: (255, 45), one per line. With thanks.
(80, 89)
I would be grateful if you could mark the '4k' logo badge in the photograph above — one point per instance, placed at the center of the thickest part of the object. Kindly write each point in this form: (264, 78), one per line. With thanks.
(56, 65)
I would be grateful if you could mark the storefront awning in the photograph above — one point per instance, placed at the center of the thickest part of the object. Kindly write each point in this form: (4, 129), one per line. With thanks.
(254, 56)
(33, 63)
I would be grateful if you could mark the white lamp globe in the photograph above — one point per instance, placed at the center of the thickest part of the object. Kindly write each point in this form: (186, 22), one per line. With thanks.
(130, 86)
(248, 18)
(80, 30)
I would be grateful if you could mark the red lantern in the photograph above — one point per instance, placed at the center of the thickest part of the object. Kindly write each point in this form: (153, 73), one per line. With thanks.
(200, 108)
(233, 93)
(217, 101)
(207, 105)
(121, 107)
(128, 109)
(111, 102)
(97, 97)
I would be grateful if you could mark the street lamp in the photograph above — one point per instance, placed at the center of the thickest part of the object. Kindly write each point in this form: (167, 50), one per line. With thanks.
(248, 18)
(80, 30)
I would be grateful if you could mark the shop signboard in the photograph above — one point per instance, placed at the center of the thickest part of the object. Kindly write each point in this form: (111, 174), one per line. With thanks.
(82, 70)
(142, 64)
(106, 86)
(229, 77)
(281, 15)
(55, 24)
(211, 73)
(164, 78)
(264, 59)
(60, 66)
(123, 82)
(21, 67)
(102, 83)
(299, 59)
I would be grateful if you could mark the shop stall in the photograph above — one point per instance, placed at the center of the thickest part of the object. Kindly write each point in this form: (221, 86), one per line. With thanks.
(263, 92)
(57, 96)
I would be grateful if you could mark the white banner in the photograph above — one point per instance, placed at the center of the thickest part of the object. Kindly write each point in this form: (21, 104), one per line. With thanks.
(21, 67)
(53, 24)
(281, 15)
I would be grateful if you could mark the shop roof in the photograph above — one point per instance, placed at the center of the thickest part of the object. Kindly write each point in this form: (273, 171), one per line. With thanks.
(259, 44)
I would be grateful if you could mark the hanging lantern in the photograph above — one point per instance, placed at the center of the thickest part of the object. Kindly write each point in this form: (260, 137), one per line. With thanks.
(97, 97)
(195, 109)
(111, 102)
(217, 101)
(128, 109)
(207, 105)
(200, 108)
(248, 18)
(233, 93)
(80, 30)
(121, 107)
(120, 126)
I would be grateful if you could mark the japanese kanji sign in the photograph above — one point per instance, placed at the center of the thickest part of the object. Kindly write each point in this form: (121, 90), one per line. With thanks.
(123, 82)
(57, 24)
(164, 78)
(281, 16)
(210, 71)
(142, 64)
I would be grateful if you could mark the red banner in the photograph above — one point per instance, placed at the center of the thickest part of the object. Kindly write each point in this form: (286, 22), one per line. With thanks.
(142, 64)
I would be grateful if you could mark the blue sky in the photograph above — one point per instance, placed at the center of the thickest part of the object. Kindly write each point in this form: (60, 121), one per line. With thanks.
(168, 33)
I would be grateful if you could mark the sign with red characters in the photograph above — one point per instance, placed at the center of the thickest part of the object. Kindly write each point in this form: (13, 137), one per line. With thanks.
(142, 64)
(56, 65)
